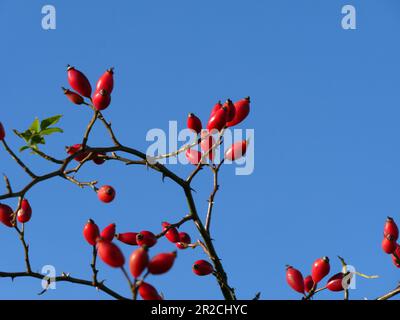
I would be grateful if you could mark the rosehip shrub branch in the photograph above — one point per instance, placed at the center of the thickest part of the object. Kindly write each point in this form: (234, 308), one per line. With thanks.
(141, 265)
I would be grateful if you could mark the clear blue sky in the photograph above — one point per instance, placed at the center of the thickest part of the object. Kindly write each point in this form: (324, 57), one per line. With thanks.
(325, 109)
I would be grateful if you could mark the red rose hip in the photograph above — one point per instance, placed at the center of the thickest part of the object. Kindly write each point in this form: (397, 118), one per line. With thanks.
(25, 212)
(388, 246)
(162, 263)
(146, 238)
(91, 232)
(108, 232)
(236, 151)
(2, 132)
(320, 269)
(391, 230)
(101, 100)
(295, 279)
(73, 96)
(194, 123)
(127, 238)
(172, 234)
(110, 254)
(106, 194)
(148, 292)
(106, 81)
(242, 109)
(184, 240)
(6, 215)
(202, 268)
(138, 261)
(308, 284)
(78, 81)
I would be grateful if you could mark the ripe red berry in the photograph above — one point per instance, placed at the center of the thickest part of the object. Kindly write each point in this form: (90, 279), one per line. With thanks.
(184, 240)
(99, 160)
(194, 123)
(2, 132)
(106, 81)
(25, 212)
(73, 96)
(202, 268)
(148, 292)
(91, 232)
(6, 215)
(78, 81)
(218, 120)
(236, 150)
(101, 99)
(172, 234)
(110, 254)
(388, 246)
(127, 238)
(320, 269)
(295, 279)
(216, 107)
(161, 263)
(230, 110)
(75, 149)
(308, 283)
(146, 238)
(106, 194)
(108, 232)
(138, 261)
(242, 109)
(207, 142)
(193, 156)
(396, 256)
(335, 283)
(391, 231)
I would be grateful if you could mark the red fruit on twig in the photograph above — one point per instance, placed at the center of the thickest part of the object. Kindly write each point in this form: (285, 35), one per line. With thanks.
(242, 109)
(320, 269)
(146, 238)
(230, 110)
(148, 292)
(75, 149)
(216, 107)
(335, 283)
(207, 142)
(91, 232)
(388, 246)
(25, 212)
(78, 81)
(161, 263)
(218, 120)
(106, 81)
(193, 156)
(308, 284)
(138, 261)
(172, 234)
(127, 238)
(236, 151)
(194, 123)
(295, 279)
(184, 240)
(101, 99)
(391, 231)
(6, 215)
(110, 254)
(202, 268)
(73, 96)
(99, 160)
(106, 194)
(2, 132)
(396, 256)
(108, 232)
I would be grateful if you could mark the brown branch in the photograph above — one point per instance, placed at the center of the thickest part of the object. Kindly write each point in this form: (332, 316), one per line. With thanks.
(175, 225)
(8, 184)
(63, 278)
(18, 160)
(46, 156)
(93, 266)
(215, 171)
(21, 234)
(390, 294)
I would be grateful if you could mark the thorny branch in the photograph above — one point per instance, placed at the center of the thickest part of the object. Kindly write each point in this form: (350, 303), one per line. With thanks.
(62, 171)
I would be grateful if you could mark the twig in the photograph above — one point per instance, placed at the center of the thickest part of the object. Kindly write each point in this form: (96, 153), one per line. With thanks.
(390, 294)
(18, 160)
(7, 182)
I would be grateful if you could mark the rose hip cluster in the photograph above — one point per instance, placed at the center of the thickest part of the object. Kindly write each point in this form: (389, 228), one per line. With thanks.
(389, 242)
(8, 218)
(222, 116)
(320, 269)
(140, 264)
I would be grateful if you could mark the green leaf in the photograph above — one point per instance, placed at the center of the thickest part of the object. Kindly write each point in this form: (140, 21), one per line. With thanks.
(23, 148)
(50, 121)
(36, 139)
(49, 131)
(35, 126)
